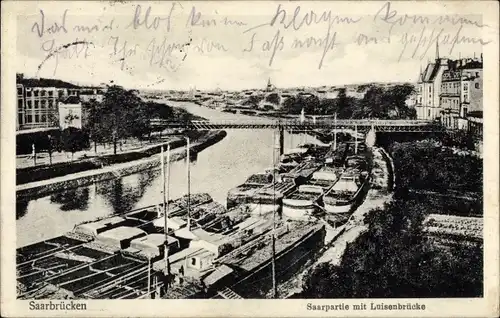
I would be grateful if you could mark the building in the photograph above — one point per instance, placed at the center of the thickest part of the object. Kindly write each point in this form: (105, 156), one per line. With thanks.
(20, 106)
(65, 92)
(429, 90)
(70, 112)
(450, 98)
(270, 87)
(37, 101)
(40, 107)
(471, 89)
(88, 94)
(461, 92)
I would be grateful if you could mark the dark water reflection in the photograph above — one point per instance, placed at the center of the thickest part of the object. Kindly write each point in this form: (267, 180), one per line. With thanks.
(73, 199)
(21, 208)
(214, 170)
(124, 193)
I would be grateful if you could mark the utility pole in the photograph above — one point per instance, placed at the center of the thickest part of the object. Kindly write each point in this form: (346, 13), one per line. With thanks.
(149, 277)
(355, 139)
(167, 248)
(188, 187)
(335, 132)
(33, 150)
(273, 237)
(50, 149)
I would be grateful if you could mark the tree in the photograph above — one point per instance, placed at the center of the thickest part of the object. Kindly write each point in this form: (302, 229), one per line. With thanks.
(395, 259)
(73, 139)
(273, 98)
(122, 111)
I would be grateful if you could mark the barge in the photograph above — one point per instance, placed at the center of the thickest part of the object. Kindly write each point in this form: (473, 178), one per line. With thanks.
(307, 199)
(270, 198)
(242, 193)
(348, 191)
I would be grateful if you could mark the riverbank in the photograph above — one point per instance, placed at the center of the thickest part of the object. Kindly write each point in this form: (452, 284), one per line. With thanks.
(40, 188)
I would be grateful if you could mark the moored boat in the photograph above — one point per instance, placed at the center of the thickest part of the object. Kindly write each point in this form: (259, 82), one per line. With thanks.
(269, 198)
(346, 192)
(242, 193)
(308, 197)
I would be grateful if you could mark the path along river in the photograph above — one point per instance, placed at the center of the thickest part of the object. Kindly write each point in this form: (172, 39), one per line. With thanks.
(214, 170)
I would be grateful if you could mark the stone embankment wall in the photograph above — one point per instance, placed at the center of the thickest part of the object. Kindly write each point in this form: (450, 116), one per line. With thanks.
(44, 187)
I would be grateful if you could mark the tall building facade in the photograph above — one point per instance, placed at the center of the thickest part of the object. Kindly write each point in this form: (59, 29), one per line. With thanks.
(427, 104)
(462, 92)
(40, 107)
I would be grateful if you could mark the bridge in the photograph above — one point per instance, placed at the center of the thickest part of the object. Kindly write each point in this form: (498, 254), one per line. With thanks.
(305, 125)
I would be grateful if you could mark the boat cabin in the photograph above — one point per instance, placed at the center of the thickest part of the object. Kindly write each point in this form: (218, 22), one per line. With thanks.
(120, 237)
(152, 245)
(93, 229)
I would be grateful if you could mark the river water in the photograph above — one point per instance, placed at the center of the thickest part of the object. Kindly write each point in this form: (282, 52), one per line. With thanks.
(215, 170)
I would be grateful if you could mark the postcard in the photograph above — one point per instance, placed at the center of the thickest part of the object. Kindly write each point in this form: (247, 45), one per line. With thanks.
(250, 159)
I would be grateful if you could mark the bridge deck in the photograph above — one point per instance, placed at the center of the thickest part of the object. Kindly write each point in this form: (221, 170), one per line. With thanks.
(379, 125)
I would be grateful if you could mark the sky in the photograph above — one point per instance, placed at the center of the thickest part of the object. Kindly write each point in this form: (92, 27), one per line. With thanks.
(238, 45)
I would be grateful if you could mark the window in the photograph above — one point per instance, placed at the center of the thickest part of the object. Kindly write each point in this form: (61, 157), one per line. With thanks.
(20, 119)
(476, 85)
(29, 119)
(464, 112)
(477, 74)
(44, 118)
(37, 118)
(36, 93)
(43, 93)
(465, 86)
(193, 261)
(51, 103)
(19, 91)
(466, 98)
(51, 93)
(429, 113)
(28, 93)
(430, 88)
(44, 102)
(28, 104)
(36, 104)
(19, 103)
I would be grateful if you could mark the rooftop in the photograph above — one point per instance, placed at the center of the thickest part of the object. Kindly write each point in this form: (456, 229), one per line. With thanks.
(44, 82)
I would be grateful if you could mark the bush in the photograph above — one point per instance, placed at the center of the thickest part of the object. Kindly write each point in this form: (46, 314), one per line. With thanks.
(426, 165)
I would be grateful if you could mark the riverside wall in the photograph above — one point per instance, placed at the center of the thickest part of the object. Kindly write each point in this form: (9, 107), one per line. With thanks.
(45, 187)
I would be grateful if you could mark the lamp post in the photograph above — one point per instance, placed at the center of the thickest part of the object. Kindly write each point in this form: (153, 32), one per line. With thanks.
(50, 148)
